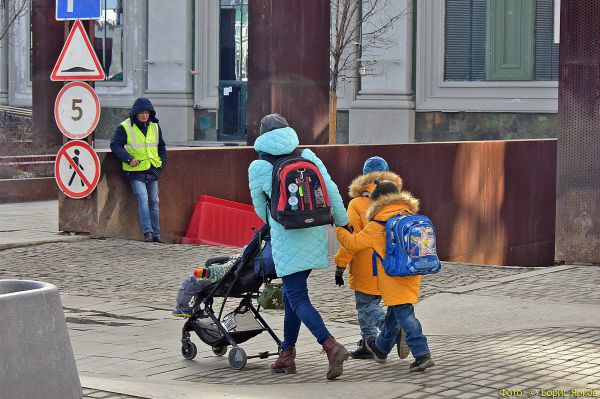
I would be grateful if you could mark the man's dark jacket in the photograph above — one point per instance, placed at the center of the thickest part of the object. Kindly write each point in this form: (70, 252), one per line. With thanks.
(117, 144)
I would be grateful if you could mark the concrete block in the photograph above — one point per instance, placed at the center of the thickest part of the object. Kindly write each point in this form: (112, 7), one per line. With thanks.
(37, 358)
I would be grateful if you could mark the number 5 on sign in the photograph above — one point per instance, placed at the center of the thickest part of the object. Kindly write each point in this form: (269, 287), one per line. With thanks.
(77, 110)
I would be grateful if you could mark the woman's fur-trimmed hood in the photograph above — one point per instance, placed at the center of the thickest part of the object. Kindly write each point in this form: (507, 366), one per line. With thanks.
(364, 183)
(402, 198)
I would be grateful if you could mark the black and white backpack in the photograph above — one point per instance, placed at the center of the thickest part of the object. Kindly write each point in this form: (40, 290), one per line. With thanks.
(299, 197)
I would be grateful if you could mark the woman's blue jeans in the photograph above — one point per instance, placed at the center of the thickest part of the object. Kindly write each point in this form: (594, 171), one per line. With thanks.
(371, 315)
(402, 316)
(298, 309)
(146, 194)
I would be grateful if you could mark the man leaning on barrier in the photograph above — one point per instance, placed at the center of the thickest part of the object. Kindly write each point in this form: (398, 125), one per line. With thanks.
(138, 143)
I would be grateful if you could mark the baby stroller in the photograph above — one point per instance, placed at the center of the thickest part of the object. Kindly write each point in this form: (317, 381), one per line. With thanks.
(240, 325)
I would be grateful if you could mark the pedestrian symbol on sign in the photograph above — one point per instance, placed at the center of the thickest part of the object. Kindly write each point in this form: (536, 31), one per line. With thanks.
(77, 165)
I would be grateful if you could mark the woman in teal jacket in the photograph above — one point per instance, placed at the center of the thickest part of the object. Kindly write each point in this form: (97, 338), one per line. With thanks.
(295, 252)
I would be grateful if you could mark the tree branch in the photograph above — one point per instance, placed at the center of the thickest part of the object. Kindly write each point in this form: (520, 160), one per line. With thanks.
(19, 10)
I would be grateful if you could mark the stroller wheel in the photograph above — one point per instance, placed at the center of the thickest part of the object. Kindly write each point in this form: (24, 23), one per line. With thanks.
(189, 350)
(237, 358)
(219, 350)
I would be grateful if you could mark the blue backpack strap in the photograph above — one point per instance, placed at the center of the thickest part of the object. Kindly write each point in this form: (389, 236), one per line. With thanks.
(375, 254)
(374, 261)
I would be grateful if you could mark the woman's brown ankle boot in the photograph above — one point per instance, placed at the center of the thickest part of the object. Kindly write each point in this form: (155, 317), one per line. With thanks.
(336, 354)
(285, 362)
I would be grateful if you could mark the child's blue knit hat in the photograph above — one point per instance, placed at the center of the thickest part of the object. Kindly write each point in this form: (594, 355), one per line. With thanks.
(375, 164)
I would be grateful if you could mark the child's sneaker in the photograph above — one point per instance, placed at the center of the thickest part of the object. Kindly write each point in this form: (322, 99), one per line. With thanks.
(377, 354)
(180, 313)
(422, 362)
(401, 345)
(361, 352)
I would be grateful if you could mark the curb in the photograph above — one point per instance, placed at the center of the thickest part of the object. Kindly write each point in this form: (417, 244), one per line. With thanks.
(41, 242)
(169, 390)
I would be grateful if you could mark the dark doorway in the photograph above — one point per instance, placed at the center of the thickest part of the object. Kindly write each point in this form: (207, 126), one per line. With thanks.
(233, 77)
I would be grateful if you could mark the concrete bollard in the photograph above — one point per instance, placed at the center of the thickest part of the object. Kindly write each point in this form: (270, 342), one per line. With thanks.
(36, 357)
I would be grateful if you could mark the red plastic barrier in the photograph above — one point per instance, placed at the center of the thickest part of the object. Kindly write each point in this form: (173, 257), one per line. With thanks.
(221, 222)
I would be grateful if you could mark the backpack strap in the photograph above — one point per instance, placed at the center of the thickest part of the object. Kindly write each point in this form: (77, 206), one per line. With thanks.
(375, 254)
(374, 261)
(273, 159)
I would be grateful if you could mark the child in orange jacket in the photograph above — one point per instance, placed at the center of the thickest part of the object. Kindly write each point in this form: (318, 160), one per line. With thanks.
(370, 313)
(398, 293)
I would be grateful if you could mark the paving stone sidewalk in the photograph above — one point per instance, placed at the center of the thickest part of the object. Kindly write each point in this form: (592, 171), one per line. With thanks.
(108, 299)
(123, 269)
(117, 295)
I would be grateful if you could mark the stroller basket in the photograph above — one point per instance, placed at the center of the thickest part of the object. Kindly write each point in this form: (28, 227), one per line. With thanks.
(240, 326)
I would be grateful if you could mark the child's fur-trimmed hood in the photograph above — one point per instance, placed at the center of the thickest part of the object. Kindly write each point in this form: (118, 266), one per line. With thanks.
(402, 198)
(362, 183)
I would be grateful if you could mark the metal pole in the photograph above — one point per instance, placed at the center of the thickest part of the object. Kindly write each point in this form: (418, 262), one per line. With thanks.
(47, 42)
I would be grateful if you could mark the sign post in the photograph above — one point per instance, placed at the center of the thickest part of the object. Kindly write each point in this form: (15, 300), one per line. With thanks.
(77, 108)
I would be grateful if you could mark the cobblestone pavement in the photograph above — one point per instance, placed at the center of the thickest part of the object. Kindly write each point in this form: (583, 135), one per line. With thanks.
(468, 366)
(472, 366)
(123, 269)
(582, 288)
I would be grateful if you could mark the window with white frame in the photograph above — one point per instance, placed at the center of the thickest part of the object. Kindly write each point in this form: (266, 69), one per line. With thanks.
(108, 39)
(500, 40)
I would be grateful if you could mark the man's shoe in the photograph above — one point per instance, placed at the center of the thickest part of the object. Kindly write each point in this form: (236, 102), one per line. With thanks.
(148, 237)
(285, 362)
(156, 239)
(401, 345)
(422, 362)
(361, 352)
(379, 356)
(336, 355)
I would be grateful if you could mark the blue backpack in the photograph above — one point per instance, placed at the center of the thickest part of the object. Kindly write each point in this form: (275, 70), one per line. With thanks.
(410, 247)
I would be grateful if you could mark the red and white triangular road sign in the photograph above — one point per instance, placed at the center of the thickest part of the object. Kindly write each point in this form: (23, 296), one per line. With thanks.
(77, 60)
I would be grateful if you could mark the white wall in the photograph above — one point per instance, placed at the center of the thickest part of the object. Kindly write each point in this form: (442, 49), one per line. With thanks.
(383, 111)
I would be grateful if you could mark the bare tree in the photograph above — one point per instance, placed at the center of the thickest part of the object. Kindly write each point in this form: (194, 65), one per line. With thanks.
(12, 10)
(356, 27)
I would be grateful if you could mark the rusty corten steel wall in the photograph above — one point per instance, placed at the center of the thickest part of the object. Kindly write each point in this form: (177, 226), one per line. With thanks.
(578, 159)
(48, 39)
(288, 66)
(491, 202)
(25, 190)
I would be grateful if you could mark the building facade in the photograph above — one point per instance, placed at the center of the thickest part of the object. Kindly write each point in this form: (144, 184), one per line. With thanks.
(454, 70)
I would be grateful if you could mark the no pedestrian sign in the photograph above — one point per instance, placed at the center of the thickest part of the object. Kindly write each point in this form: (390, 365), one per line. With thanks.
(77, 169)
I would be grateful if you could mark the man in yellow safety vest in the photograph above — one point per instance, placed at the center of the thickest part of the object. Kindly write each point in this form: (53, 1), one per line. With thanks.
(138, 143)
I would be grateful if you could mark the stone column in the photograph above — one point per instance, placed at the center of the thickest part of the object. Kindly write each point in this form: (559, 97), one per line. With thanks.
(170, 59)
(288, 69)
(384, 109)
(4, 60)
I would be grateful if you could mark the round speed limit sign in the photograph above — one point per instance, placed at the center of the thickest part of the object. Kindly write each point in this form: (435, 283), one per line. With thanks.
(77, 110)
